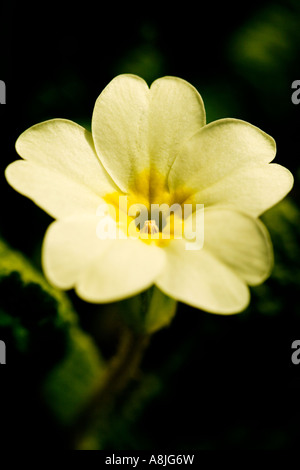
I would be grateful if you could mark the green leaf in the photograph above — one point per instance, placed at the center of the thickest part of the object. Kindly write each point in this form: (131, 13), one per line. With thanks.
(71, 383)
(41, 330)
(149, 311)
(270, 298)
(161, 311)
(282, 222)
(33, 314)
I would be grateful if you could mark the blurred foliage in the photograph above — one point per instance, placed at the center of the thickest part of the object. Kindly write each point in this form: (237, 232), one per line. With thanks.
(41, 332)
(283, 222)
(148, 312)
(70, 384)
(33, 314)
(267, 46)
(207, 381)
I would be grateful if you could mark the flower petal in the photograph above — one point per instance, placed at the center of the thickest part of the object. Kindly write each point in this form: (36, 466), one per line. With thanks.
(127, 268)
(202, 281)
(239, 241)
(69, 246)
(62, 173)
(251, 189)
(100, 270)
(56, 193)
(176, 113)
(135, 128)
(236, 251)
(218, 149)
(120, 128)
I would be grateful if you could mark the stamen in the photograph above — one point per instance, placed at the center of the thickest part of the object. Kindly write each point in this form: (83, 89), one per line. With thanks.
(150, 227)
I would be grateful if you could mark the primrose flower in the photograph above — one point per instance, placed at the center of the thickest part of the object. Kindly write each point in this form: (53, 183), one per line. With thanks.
(147, 148)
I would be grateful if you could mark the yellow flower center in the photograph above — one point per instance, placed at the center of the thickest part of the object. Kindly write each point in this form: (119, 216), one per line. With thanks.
(149, 211)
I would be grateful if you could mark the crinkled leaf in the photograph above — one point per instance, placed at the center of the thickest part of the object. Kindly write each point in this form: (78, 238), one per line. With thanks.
(41, 330)
(70, 384)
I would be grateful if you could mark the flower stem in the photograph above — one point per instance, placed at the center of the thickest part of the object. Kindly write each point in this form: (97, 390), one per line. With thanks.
(142, 315)
(121, 370)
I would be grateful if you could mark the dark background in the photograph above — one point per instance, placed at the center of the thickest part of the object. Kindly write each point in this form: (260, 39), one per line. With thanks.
(217, 382)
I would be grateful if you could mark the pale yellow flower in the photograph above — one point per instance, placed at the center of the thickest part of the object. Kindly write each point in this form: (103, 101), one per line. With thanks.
(154, 146)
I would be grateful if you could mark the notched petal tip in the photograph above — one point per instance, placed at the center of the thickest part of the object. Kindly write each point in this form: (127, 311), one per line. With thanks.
(8, 173)
(289, 178)
(215, 306)
(249, 133)
(167, 80)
